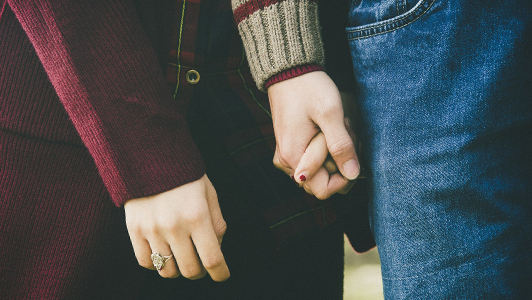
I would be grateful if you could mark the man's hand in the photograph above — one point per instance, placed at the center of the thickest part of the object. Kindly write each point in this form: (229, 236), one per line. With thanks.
(186, 222)
(302, 107)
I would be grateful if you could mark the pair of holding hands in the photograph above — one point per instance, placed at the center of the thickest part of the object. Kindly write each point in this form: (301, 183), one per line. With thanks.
(186, 221)
(315, 143)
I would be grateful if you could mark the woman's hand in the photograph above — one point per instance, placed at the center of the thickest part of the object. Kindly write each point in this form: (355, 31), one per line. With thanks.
(186, 222)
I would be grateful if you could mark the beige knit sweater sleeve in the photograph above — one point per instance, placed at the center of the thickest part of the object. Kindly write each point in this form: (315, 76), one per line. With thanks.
(278, 35)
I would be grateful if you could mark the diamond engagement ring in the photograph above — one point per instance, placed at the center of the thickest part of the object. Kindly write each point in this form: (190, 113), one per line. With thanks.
(160, 260)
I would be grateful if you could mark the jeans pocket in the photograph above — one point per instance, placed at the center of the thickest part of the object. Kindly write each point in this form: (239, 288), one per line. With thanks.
(371, 18)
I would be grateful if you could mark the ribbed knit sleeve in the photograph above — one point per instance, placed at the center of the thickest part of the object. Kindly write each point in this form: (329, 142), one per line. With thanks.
(278, 35)
(108, 78)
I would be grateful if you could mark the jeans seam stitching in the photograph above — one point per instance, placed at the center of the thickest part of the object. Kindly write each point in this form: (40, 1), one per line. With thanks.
(397, 6)
(421, 7)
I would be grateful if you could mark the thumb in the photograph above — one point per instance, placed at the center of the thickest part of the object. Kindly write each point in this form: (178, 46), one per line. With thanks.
(342, 149)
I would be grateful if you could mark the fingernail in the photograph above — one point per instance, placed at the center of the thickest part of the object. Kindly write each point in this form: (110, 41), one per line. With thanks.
(293, 178)
(351, 169)
(302, 177)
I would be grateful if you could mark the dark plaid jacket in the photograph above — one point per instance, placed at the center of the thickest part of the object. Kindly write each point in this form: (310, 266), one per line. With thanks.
(209, 75)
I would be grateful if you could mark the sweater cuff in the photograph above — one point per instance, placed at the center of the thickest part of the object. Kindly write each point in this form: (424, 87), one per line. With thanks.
(291, 73)
(278, 35)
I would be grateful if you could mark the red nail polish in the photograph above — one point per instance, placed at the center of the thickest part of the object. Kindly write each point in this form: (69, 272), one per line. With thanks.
(292, 176)
(302, 178)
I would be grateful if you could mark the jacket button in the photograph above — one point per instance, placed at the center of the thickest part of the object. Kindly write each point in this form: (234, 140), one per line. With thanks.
(192, 77)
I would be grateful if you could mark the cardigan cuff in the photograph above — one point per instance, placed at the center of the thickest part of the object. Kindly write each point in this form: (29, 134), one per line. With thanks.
(278, 35)
(291, 73)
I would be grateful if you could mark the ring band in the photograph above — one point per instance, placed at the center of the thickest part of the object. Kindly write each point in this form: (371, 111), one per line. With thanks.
(160, 260)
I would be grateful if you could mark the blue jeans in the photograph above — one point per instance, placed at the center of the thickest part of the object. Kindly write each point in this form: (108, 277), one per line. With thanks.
(445, 90)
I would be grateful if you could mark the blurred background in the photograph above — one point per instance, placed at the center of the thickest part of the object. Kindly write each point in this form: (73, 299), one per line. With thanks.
(362, 275)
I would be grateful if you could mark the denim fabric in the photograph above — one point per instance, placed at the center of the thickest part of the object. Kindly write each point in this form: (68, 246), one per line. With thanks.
(446, 101)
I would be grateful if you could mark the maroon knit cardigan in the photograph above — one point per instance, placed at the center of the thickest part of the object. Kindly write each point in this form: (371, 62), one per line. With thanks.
(82, 99)
(104, 70)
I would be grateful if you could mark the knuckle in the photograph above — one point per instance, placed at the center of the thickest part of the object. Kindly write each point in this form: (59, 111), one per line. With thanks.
(277, 163)
(284, 157)
(190, 272)
(321, 195)
(134, 229)
(194, 216)
(220, 228)
(329, 110)
(168, 273)
(308, 190)
(151, 230)
(201, 274)
(212, 262)
(169, 227)
(290, 149)
(145, 263)
(341, 146)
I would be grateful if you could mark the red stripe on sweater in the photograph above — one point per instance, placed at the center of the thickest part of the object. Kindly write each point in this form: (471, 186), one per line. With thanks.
(293, 72)
(250, 7)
